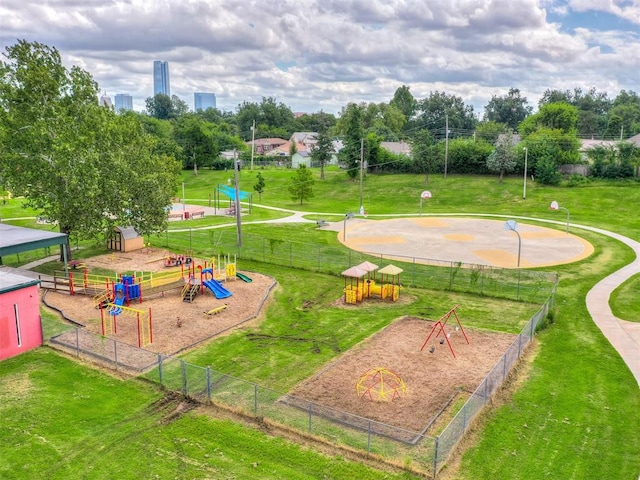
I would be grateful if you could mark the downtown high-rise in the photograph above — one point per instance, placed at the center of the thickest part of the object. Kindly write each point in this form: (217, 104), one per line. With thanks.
(124, 101)
(202, 101)
(161, 78)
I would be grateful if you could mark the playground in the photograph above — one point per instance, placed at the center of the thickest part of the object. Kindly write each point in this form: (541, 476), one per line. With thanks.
(433, 378)
(176, 324)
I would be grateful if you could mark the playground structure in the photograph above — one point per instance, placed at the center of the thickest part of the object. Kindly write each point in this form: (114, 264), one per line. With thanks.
(389, 286)
(213, 285)
(380, 385)
(439, 327)
(177, 260)
(109, 322)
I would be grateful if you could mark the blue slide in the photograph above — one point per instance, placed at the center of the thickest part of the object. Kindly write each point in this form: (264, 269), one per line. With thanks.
(217, 289)
(119, 302)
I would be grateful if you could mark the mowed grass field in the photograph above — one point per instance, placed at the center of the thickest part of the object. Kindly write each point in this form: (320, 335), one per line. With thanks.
(576, 411)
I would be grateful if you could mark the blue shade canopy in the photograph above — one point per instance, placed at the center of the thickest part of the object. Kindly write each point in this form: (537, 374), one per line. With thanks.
(231, 192)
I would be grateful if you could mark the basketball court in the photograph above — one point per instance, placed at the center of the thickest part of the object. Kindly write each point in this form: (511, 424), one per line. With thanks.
(466, 240)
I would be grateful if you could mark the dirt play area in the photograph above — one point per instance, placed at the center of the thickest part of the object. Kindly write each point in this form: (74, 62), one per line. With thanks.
(177, 325)
(431, 379)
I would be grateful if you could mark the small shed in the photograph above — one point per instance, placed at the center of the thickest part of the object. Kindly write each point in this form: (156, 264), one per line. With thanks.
(125, 239)
(20, 322)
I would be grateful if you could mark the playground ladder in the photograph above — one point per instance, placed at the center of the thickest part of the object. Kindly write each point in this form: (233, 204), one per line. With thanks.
(189, 292)
(100, 297)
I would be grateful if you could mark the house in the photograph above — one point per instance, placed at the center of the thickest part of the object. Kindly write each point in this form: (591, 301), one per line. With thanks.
(307, 139)
(262, 146)
(20, 321)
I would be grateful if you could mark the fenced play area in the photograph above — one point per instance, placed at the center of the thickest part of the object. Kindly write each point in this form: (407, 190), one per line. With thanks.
(453, 372)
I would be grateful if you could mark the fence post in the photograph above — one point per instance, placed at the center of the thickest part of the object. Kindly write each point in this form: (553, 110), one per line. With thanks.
(160, 368)
(255, 398)
(451, 276)
(486, 396)
(264, 255)
(208, 383)
(369, 438)
(435, 457)
(504, 366)
(532, 331)
(290, 254)
(115, 352)
(77, 341)
(185, 390)
(413, 272)
(310, 415)
(464, 418)
(518, 290)
(519, 345)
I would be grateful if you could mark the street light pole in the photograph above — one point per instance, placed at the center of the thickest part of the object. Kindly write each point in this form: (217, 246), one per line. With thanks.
(361, 172)
(253, 141)
(524, 188)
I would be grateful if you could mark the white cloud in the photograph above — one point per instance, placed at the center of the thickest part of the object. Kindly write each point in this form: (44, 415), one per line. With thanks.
(335, 51)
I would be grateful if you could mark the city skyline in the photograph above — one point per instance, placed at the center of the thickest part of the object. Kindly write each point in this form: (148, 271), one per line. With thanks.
(317, 55)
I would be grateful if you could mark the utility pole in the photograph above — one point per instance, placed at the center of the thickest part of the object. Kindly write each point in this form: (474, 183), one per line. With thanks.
(253, 141)
(236, 163)
(361, 172)
(446, 143)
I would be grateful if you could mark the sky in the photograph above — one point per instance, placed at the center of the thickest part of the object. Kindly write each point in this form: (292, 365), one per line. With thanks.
(315, 55)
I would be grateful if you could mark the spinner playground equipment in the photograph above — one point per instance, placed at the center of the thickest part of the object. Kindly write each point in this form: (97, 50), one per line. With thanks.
(380, 385)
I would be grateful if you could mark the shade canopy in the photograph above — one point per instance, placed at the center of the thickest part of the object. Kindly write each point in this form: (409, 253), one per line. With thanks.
(391, 270)
(354, 272)
(367, 266)
(15, 239)
(231, 192)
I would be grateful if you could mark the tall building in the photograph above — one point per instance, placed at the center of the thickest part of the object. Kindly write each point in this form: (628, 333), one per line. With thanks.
(124, 101)
(105, 100)
(202, 101)
(161, 78)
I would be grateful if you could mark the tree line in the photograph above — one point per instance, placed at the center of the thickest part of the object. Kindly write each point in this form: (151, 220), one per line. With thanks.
(89, 168)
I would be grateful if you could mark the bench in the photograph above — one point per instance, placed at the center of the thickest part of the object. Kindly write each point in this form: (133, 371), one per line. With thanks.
(199, 213)
(175, 215)
(321, 223)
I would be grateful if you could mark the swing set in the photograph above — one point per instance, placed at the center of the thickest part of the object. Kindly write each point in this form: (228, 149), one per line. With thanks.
(439, 327)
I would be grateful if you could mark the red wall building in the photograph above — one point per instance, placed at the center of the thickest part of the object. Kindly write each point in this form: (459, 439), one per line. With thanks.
(20, 321)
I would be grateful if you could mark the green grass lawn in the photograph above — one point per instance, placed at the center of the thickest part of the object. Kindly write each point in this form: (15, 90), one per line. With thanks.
(62, 420)
(624, 300)
(574, 416)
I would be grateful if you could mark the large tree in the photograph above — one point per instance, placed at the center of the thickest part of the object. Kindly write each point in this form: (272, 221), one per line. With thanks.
(503, 157)
(509, 109)
(322, 151)
(435, 111)
(350, 127)
(163, 107)
(425, 156)
(77, 163)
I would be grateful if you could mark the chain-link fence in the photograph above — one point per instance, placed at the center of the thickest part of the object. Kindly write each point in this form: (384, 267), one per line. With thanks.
(202, 384)
(516, 284)
(422, 452)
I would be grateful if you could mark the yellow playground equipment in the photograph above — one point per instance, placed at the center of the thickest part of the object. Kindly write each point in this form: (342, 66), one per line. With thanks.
(362, 288)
